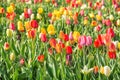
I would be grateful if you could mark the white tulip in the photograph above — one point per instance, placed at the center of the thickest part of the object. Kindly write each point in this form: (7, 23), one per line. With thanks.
(107, 71)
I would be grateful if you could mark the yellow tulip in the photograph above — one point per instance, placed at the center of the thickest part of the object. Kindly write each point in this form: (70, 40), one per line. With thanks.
(91, 15)
(47, 1)
(10, 9)
(85, 22)
(43, 30)
(76, 35)
(119, 45)
(51, 29)
(98, 17)
(102, 70)
(12, 56)
(9, 32)
(27, 25)
(40, 10)
(20, 26)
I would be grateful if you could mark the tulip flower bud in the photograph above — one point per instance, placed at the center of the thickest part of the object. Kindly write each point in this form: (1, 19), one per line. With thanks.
(32, 16)
(22, 61)
(118, 22)
(12, 56)
(9, 32)
(12, 26)
(6, 46)
(119, 45)
(111, 17)
(107, 71)
(20, 26)
(29, 11)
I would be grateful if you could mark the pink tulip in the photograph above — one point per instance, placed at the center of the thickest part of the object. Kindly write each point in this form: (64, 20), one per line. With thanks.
(82, 12)
(100, 13)
(29, 11)
(82, 40)
(70, 36)
(68, 21)
(88, 40)
(108, 22)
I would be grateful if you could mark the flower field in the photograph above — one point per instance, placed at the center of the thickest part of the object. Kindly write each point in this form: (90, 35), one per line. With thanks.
(59, 39)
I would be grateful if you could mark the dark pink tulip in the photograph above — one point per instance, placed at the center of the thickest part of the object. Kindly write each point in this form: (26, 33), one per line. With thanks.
(12, 26)
(68, 21)
(108, 22)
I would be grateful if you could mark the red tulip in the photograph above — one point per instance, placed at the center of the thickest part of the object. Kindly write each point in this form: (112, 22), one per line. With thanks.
(6, 46)
(49, 15)
(112, 54)
(98, 42)
(112, 47)
(108, 22)
(40, 58)
(26, 15)
(68, 50)
(34, 24)
(110, 32)
(66, 37)
(68, 1)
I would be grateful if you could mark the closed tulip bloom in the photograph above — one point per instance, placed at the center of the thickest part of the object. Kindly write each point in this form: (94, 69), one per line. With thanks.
(9, 32)
(118, 22)
(108, 22)
(2, 10)
(68, 21)
(88, 40)
(58, 48)
(32, 16)
(110, 32)
(93, 23)
(51, 29)
(29, 11)
(40, 58)
(95, 69)
(32, 33)
(102, 70)
(12, 56)
(12, 26)
(111, 17)
(27, 25)
(40, 10)
(6, 46)
(22, 61)
(107, 71)
(76, 35)
(71, 36)
(10, 9)
(43, 30)
(61, 34)
(98, 17)
(68, 50)
(20, 26)
(112, 47)
(52, 42)
(112, 54)
(118, 45)
(34, 24)
(82, 40)
(82, 12)
(66, 37)
(43, 37)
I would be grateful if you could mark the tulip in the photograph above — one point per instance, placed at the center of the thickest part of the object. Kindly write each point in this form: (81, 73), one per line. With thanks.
(118, 45)
(43, 37)
(71, 36)
(34, 24)
(9, 32)
(22, 61)
(112, 54)
(40, 58)
(68, 50)
(26, 15)
(42, 30)
(97, 28)
(91, 15)
(76, 35)
(118, 22)
(66, 37)
(27, 25)
(102, 70)
(95, 69)
(88, 40)
(29, 11)
(98, 17)
(12, 56)
(68, 59)
(61, 34)
(52, 42)
(10, 9)
(108, 22)
(82, 40)
(68, 21)
(6, 46)
(40, 10)
(20, 26)
(82, 12)
(12, 26)
(111, 17)
(32, 33)
(51, 29)
(58, 48)
(2, 10)
(110, 32)
(107, 71)
(32, 16)
(93, 23)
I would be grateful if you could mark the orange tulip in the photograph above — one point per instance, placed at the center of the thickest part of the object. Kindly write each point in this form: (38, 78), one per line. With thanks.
(32, 33)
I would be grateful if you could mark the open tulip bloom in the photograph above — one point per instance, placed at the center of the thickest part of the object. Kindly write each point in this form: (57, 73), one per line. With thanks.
(59, 39)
